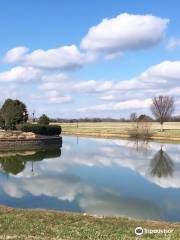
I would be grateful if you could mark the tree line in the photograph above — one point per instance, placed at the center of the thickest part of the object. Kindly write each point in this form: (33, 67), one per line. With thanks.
(14, 112)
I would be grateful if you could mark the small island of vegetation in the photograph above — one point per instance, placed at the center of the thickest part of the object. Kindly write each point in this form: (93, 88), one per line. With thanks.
(17, 129)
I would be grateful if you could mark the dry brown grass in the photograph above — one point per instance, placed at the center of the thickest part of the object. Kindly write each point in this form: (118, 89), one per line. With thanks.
(120, 130)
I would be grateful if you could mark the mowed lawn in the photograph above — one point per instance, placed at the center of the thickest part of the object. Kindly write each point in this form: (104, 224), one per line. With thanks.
(119, 129)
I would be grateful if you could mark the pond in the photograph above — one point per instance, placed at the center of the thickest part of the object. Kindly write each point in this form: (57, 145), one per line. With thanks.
(96, 176)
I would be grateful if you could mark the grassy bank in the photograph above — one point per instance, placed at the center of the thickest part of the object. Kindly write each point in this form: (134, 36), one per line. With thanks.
(120, 130)
(28, 224)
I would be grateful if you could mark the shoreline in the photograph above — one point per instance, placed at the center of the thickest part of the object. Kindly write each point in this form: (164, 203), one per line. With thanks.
(16, 140)
(121, 130)
(6, 208)
(53, 224)
(118, 136)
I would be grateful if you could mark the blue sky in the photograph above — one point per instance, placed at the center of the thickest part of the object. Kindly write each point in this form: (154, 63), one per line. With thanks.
(61, 58)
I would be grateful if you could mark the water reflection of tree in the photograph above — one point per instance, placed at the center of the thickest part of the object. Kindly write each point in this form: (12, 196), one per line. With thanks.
(141, 146)
(161, 164)
(15, 163)
(10, 166)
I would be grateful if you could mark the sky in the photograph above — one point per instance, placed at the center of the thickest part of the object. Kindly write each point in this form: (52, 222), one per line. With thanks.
(72, 59)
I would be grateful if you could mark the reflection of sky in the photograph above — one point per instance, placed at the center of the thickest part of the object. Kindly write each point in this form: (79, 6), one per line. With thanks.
(98, 176)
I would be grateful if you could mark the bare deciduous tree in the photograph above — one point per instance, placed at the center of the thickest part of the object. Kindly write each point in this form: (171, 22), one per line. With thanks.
(140, 130)
(162, 108)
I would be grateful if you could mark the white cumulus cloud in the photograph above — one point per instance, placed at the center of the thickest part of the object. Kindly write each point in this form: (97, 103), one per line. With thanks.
(66, 57)
(123, 105)
(125, 32)
(15, 54)
(20, 73)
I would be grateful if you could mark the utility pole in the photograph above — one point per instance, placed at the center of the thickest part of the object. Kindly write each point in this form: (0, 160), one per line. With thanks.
(33, 115)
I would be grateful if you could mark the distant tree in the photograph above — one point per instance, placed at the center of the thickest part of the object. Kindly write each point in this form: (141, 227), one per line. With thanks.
(162, 108)
(13, 112)
(144, 118)
(133, 117)
(141, 129)
(175, 119)
(44, 120)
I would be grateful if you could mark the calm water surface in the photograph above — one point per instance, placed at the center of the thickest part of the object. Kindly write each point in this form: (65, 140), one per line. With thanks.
(96, 176)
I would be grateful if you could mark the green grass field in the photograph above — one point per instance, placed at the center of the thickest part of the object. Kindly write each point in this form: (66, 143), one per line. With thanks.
(28, 224)
(120, 130)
